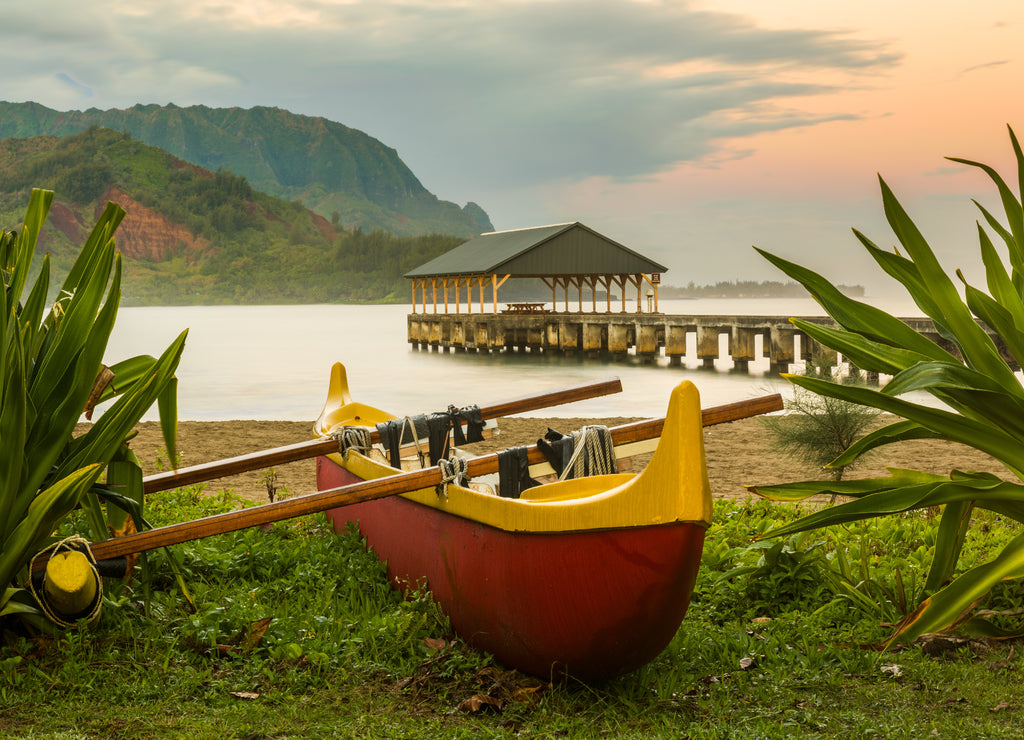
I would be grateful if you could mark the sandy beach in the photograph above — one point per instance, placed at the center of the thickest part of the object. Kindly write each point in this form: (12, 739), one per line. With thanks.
(737, 453)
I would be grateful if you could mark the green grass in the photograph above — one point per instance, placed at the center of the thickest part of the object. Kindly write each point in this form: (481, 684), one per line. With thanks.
(771, 648)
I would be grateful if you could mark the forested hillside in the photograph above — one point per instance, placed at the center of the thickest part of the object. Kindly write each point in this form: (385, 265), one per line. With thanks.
(198, 237)
(339, 172)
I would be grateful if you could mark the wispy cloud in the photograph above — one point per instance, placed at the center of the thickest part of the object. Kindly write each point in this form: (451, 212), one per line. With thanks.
(83, 90)
(519, 91)
(986, 65)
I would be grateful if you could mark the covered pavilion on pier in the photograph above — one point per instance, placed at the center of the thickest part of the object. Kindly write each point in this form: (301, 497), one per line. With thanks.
(566, 257)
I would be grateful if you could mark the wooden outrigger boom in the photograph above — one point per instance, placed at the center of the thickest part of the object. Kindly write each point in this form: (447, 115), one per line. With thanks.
(371, 489)
(316, 447)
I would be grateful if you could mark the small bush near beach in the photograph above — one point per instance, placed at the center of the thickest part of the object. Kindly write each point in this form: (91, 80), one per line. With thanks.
(296, 634)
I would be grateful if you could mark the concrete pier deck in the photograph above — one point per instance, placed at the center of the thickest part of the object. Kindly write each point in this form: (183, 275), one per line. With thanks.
(616, 336)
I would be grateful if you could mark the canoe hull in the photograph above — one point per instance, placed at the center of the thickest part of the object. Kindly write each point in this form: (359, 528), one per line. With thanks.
(592, 604)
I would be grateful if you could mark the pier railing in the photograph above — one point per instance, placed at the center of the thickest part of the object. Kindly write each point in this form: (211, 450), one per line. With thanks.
(744, 339)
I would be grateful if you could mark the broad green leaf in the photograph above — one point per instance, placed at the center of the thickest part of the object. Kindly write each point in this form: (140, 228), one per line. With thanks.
(996, 316)
(855, 488)
(35, 304)
(126, 373)
(949, 541)
(952, 604)
(9, 605)
(857, 317)
(118, 421)
(99, 238)
(899, 431)
(167, 404)
(978, 349)
(901, 499)
(13, 432)
(906, 272)
(861, 351)
(46, 510)
(124, 477)
(948, 376)
(1014, 212)
(38, 208)
(952, 426)
(958, 428)
(999, 282)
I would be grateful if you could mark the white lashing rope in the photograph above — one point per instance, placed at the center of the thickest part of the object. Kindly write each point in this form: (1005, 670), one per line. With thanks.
(352, 438)
(452, 472)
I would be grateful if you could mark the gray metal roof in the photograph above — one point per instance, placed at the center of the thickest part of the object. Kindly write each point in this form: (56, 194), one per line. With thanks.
(560, 249)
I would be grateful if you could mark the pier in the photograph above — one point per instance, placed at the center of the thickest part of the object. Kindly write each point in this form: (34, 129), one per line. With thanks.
(743, 339)
(452, 311)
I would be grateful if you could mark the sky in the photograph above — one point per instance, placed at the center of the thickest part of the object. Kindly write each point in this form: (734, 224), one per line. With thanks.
(689, 131)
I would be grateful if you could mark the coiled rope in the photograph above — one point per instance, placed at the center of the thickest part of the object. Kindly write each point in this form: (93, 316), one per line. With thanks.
(593, 453)
(453, 472)
(352, 438)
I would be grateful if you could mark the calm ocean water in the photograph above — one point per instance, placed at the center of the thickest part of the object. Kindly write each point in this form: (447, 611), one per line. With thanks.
(272, 362)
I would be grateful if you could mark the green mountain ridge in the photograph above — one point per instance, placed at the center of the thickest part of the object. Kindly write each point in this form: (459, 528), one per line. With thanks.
(339, 172)
(193, 236)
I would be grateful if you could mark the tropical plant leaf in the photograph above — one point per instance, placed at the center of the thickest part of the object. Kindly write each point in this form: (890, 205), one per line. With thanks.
(49, 363)
(1000, 284)
(949, 541)
(947, 608)
(856, 488)
(860, 318)
(858, 349)
(952, 426)
(900, 431)
(906, 272)
(46, 509)
(977, 347)
(998, 318)
(900, 499)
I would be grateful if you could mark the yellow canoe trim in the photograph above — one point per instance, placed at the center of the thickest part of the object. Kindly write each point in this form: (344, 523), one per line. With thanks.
(673, 487)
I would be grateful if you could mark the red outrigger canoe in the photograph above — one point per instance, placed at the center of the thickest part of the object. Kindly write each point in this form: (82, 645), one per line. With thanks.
(588, 577)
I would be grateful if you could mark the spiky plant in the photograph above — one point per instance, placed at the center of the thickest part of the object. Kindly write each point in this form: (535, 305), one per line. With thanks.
(982, 397)
(51, 366)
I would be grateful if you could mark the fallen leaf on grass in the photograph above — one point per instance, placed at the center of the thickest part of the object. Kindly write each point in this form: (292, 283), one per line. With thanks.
(435, 643)
(479, 702)
(248, 695)
(746, 664)
(247, 639)
(1000, 706)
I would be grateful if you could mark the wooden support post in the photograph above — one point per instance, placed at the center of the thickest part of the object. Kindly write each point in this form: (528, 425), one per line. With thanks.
(647, 342)
(741, 347)
(568, 337)
(593, 338)
(707, 345)
(781, 350)
(675, 344)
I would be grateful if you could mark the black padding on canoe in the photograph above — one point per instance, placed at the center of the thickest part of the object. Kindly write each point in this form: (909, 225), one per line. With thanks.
(474, 424)
(390, 435)
(514, 472)
(438, 426)
(421, 426)
(557, 448)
